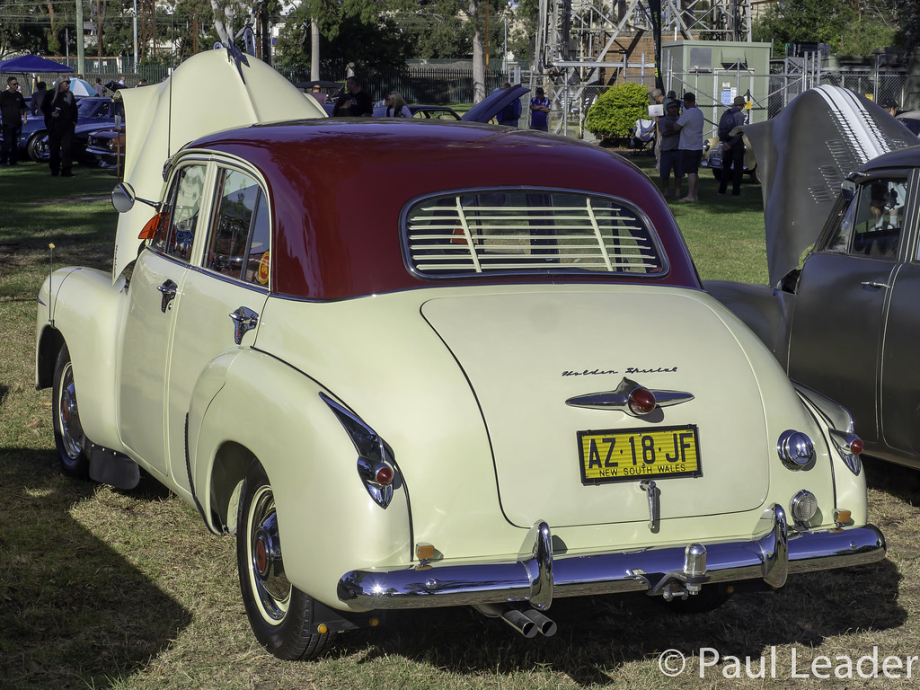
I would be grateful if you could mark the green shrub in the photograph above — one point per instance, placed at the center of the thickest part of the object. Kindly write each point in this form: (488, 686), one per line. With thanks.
(617, 110)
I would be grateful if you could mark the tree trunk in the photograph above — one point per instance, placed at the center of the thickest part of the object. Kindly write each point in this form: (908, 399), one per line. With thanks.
(479, 71)
(100, 25)
(314, 50)
(222, 18)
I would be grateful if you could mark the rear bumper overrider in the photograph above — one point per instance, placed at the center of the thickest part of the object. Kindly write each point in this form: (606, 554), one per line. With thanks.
(536, 577)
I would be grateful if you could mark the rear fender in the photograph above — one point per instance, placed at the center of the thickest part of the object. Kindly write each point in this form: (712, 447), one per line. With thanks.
(329, 524)
(83, 308)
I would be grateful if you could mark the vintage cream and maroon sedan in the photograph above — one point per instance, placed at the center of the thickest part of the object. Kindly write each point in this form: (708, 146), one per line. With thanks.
(424, 365)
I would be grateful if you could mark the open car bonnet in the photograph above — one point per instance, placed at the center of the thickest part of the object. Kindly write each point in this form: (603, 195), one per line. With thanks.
(493, 104)
(210, 92)
(804, 155)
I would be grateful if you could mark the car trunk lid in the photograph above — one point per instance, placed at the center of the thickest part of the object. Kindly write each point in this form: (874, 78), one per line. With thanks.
(526, 354)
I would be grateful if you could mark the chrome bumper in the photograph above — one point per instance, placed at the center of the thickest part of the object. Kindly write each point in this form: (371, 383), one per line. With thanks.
(536, 577)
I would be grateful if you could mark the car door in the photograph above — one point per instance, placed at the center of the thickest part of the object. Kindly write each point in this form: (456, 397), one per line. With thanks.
(900, 376)
(154, 295)
(842, 297)
(223, 294)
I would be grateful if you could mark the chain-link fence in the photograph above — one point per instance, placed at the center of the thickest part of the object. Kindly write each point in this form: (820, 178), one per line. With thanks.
(768, 94)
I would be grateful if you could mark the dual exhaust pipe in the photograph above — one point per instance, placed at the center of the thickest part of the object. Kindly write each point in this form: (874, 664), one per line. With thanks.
(528, 622)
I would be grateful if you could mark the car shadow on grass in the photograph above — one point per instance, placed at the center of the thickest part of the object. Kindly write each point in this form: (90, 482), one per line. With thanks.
(73, 612)
(598, 636)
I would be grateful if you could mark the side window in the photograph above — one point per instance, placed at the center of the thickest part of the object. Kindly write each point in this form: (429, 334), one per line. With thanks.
(239, 243)
(176, 232)
(872, 224)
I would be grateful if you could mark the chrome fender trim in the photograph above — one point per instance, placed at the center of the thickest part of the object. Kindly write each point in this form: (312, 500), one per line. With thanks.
(540, 578)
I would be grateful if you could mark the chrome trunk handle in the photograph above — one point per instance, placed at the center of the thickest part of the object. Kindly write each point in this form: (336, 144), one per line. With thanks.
(874, 284)
(244, 320)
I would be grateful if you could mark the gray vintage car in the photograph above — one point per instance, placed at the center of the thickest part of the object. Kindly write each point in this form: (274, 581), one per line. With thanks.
(840, 175)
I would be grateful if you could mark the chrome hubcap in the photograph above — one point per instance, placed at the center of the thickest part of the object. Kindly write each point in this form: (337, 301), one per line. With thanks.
(69, 415)
(266, 570)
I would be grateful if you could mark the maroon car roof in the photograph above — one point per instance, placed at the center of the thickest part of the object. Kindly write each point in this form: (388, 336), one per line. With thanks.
(338, 188)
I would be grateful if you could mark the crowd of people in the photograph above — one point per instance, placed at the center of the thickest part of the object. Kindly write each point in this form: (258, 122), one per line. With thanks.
(680, 144)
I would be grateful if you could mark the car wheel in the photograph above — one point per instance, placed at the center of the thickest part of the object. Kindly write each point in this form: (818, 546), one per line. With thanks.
(32, 148)
(717, 173)
(755, 175)
(68, 431)
(279, 613)
(709, 598)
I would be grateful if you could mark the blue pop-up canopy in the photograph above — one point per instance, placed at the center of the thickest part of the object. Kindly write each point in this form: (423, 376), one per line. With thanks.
(33, 63)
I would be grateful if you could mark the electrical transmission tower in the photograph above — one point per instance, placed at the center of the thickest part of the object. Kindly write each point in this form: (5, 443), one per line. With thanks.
(582, 33)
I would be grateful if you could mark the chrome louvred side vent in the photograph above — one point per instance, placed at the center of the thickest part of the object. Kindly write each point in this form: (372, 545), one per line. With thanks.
(631, 398)
(488, 232)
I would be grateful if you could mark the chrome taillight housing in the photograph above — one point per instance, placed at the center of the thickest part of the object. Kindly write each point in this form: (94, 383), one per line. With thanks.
(795, 449)
(376, 466)
(849, 446)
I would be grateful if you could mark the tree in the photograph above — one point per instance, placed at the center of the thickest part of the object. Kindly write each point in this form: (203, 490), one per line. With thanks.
(479, 68)
(907, 13)
(351, 31)
(853, 27)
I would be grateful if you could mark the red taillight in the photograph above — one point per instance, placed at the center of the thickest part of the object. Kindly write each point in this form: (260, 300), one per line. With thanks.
(857, 445)
(642, 401)
(384, 475)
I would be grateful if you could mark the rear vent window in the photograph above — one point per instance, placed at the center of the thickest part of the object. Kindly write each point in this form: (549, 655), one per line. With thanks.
(528, 231)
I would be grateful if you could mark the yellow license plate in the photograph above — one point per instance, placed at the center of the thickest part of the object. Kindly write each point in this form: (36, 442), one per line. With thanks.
(633, 454)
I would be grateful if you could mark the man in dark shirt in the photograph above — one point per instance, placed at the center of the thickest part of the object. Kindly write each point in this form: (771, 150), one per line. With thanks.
(13, 112)
(60, 112)
(37, 97)
(354, 102)
(732, 142)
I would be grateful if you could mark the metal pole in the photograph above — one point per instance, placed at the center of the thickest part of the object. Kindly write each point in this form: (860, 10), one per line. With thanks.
(135, 36)
(81, 65)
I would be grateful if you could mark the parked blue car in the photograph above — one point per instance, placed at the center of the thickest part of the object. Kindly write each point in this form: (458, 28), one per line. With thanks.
(90, 110)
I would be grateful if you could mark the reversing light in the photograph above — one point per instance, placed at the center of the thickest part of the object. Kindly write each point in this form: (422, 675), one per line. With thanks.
(641, 401)
(804, 506)
(795, 449)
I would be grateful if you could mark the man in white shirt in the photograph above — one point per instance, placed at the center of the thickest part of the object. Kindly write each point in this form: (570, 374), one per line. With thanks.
(690, 127)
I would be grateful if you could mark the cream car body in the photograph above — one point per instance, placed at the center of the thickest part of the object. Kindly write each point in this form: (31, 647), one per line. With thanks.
(299, 303)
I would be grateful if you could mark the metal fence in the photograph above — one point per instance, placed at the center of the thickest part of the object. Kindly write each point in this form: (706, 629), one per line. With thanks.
(769, 93)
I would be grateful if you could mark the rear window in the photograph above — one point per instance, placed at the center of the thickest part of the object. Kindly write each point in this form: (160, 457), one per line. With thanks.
(490, 232)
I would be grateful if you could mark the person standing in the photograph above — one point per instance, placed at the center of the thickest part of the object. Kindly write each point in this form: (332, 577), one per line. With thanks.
(395, 107)
(14, 113)
(690, 126)
(668, 146)
(98, 86)
(61, 119)
(539, 111)
(510, 115)
(354, 102)
(732, 146)
(318, 95)
(41, 90)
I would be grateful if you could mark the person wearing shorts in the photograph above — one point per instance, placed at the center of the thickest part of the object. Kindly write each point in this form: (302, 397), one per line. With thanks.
(690, 126)
(669, 139)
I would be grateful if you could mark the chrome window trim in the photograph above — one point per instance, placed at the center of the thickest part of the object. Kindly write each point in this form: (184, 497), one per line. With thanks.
(640, 214)
(219, 160)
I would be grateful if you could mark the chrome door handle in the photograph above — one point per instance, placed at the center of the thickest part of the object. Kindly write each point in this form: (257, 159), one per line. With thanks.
(244, 320)
(168, 289)
(874, 284)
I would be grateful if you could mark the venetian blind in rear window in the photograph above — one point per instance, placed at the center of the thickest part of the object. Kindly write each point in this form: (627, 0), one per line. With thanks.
(528, 231)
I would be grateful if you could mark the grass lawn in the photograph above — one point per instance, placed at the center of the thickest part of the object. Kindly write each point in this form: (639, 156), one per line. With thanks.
(107, 589)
